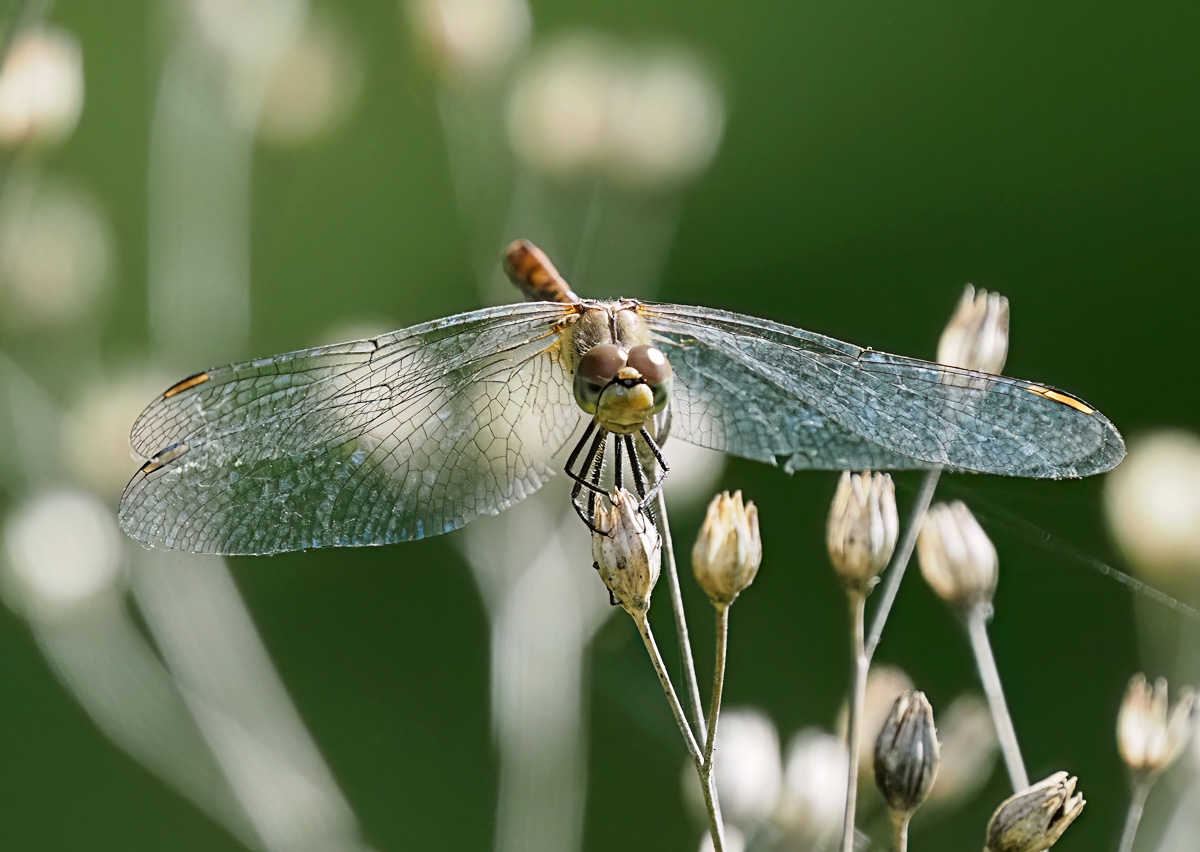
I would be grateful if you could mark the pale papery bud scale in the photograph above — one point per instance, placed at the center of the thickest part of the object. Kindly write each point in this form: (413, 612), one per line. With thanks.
(957, 558)
(976, 338)
(1151, 734)
(862, 528)
(728, 549)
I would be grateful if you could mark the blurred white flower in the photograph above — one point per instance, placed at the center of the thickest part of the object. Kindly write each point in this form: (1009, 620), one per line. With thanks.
(666, 122)
(247, 31)
(1153, 505)
(814, 788)
(587, 106)
(968, 746)
(41, 88)
(884, 685)
(96, 432)
(312, 87)
(55, 251)
(735, 841)
(558, 113)
(61, 548)
(746, 768)
(469, 40)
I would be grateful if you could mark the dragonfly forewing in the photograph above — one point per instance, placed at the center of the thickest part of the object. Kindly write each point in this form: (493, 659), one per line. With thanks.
(408, 435)
(770, 392)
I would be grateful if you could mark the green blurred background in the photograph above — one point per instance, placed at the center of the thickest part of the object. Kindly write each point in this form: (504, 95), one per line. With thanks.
(876, 157)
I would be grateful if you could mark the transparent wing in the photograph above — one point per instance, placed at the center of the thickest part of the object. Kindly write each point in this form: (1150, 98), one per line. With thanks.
(773, 393)
(408, 435)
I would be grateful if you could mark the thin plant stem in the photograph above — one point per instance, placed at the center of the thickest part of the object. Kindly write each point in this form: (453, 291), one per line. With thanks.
(989, 676)
(1137, 804)
(714, 707)
(691, 684)
(900, 560)
(643, 626)
(900, 820)
(711, 802)
(858, 688)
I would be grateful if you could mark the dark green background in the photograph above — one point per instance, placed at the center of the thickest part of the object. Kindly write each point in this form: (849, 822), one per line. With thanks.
(877, 156)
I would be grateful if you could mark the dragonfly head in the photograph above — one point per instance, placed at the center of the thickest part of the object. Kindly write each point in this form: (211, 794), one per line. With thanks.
(623, 388)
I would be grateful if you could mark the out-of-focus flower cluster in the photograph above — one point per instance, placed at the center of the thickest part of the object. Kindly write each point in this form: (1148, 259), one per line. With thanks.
(797, 796)
(586, 106)
(1153, 505)
(41, 88)
(56, 251)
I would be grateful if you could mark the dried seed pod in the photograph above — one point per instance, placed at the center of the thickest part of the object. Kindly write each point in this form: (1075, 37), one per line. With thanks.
(976, 338)
(957, 558)
(627, 551)
(862, 528)
(728, 550)
(1151, 735)
(1034, 819)
(906, 753)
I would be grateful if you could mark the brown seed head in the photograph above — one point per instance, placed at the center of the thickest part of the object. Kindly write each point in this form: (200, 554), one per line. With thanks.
(906, 753)
(1034, 819)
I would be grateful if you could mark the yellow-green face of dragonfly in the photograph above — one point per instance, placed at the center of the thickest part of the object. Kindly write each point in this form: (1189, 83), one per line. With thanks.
(622, 388)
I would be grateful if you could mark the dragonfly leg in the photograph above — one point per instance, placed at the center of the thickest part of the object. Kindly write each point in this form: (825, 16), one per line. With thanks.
(581, 478)
(588, 475)
(639, 479)
(619, 468)
(662, 463)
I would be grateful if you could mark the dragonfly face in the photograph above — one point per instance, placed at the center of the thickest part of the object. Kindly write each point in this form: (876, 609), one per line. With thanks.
(415, 433)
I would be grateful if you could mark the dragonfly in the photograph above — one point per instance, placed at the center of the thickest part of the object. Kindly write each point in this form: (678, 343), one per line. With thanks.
(417, 432)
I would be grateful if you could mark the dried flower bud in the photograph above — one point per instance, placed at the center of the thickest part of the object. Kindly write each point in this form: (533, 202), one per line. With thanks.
(728, 550)
(1150, 736)
(862, 528)
(906, 753)
(957, 558)
(976, 338)
(627, 550)
(1035, 818)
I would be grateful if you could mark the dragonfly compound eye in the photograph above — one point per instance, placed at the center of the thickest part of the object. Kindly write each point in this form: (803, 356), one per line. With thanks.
(656, 372)
(597, 368)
